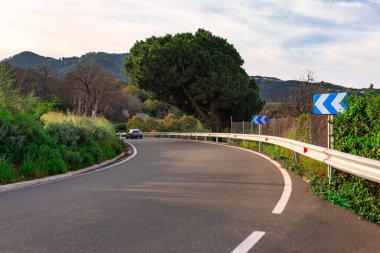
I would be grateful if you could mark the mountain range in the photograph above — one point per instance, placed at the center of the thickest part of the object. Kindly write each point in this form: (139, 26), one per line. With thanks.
(271, 89)
(111, 62)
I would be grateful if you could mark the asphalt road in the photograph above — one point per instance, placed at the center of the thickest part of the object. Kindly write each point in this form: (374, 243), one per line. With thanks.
(178, 196)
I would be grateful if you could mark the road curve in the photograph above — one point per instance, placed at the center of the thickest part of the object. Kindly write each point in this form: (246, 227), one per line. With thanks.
(178, 196)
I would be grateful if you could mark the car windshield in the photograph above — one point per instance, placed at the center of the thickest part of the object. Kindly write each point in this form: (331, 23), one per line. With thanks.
(136, 131)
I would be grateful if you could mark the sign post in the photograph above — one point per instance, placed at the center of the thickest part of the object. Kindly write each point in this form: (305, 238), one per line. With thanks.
(330, 144)
(259, 120)
(330, 104)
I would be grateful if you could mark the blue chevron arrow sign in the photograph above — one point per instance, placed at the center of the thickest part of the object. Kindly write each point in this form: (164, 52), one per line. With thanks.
(259, 119)
(330, 103)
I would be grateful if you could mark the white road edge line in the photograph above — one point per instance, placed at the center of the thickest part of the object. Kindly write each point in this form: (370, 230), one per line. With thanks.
(285, 194)
(78, 175)
(281, 204)
(110, 166)
(249, 242)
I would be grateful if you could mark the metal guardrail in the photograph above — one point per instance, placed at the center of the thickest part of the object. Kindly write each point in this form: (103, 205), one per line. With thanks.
(356, 165)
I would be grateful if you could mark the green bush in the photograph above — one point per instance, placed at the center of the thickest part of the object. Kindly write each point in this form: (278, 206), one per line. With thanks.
(357, 130)
(171, 123)
(88, 157)
(7, 173)
(73, 158)
(120, 127)
(51, 160)
(301, 130)
(45, 160)
(20, 133)
(146, 125)
(96, 152)
(66, 133)
(31, 168)
(188, 124)
(39, 151)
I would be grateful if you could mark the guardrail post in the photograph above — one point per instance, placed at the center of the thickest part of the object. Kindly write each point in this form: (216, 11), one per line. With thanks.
(119, 135)
(205, 138)
(297, 158)
(196, 137)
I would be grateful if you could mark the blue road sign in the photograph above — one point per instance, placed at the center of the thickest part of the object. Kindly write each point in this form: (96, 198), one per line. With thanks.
(259, 119)
(330, 103)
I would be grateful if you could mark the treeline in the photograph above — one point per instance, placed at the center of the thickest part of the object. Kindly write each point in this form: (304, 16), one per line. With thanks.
(90, 90)
(86, 90)
(171, 123)
(34, 144)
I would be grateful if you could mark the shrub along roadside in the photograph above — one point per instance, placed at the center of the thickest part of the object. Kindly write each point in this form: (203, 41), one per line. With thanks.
(33, 148)
(87, 140)
(171, 123)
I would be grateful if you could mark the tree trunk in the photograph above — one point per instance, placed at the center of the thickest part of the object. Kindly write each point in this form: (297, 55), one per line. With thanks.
(198, 108)
(216, 122)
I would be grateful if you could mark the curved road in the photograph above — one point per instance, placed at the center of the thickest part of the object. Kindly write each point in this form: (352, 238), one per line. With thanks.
(179, 196)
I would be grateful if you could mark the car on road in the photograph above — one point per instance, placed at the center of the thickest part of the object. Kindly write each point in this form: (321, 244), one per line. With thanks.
(134, 134)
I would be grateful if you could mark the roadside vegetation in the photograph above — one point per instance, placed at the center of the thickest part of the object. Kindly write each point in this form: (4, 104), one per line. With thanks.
(171, 123)
(35, 142)
(356, 131)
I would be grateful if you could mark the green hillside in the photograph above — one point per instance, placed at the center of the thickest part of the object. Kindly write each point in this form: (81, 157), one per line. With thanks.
(112, 62)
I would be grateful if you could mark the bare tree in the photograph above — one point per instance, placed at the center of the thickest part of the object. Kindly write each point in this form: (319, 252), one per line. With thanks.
(122, 106)
(308, 76)
(91, 90)
(40, 81)
(89, 86)
(301, 98)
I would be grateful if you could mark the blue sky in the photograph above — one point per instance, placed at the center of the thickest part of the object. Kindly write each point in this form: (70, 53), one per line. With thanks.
(338, 40)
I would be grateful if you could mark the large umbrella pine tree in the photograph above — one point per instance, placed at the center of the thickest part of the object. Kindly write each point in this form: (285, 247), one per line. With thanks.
(198, 73)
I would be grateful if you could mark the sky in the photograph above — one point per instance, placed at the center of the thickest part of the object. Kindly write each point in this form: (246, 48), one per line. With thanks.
(338, 40)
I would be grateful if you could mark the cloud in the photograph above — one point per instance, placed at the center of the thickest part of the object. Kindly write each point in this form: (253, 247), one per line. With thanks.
(337, 39)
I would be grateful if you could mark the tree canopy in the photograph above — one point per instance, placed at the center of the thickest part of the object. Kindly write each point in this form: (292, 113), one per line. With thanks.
(199, 73)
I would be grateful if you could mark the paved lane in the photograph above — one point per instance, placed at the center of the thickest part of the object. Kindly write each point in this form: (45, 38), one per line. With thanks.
(177, 196)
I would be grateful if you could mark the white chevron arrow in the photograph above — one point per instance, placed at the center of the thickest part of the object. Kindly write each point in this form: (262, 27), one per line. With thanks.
(319, 104)
(337, 100)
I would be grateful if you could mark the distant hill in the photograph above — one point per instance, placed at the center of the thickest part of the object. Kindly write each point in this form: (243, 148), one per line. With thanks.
(275, 90)
(271, 89)
(112, 62)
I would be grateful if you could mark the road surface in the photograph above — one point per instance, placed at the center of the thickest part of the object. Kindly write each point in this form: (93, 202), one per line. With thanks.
(179, 196)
